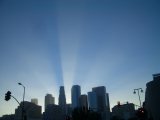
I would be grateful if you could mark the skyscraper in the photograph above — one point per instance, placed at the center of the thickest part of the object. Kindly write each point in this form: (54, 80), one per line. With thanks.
(83, 101)
(75, 94)
(62, 97)
(107, 101)
(49, 99)
(102, 102)
(102, 98)
(62, 100)
(92, 101)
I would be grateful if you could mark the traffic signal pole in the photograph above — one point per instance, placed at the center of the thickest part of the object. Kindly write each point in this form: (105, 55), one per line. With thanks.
(8, 97)
(18, 103)
(15, 99)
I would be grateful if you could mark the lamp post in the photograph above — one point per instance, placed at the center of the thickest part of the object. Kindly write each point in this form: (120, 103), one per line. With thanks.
(138, 89)
(23, 100)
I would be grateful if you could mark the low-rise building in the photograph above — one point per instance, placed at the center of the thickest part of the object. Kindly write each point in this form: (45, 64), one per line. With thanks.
(53, 112)
(124, 111)
(8, 117)
(31, 111)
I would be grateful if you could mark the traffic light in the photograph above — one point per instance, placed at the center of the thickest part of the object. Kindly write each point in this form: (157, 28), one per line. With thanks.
(141, 110)
(8, 96)
(141, 113)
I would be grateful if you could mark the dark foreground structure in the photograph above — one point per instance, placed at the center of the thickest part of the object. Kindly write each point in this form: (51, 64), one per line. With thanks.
(85, 114)
(152, 98)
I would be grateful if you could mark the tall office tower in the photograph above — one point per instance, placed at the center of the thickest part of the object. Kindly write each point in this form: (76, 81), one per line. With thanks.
(62, 100)
(101, 97)
(107, 101)
(92, 101)
(49, 99)
(152, 98)
(83, 101)
(62, 97)
(75, 94)
(34, 100)
(102, 102)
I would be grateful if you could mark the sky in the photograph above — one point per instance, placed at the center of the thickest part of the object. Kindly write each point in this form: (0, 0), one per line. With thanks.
(45, 44)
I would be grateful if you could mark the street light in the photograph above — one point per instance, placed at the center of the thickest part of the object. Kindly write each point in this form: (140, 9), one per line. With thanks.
(23, 99)
(138, 89)
(24, 90)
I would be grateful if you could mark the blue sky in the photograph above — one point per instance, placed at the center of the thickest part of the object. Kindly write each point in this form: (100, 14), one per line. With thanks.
(45, 44)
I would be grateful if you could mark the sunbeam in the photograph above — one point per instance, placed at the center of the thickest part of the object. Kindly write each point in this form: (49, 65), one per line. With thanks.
(47, 44)
(69, 36)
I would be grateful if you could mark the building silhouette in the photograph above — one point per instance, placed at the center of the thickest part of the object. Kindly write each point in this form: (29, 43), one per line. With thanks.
(75, 94)
(31, 111)
(124, 111)
(49, 99)
(68, 109)
(102, 98)
(152, 98)
(83, 101)
(34, 100)
(62, 97)
(97, 102)
(107, 101)
(53, 112)
(92, 101)
(102, 102)
(8, 117)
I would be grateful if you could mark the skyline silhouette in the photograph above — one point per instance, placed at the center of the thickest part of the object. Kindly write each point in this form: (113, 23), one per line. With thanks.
(47, 44)
(50, 100)
(96, 103)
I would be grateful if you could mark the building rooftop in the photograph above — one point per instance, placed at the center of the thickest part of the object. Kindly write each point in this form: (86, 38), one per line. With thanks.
(156, 75)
